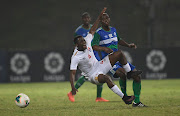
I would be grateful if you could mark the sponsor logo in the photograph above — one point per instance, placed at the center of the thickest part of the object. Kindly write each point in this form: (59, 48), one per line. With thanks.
(110, 36)
(20, 63)
(101, 62)
(54, 62)
(156, 60)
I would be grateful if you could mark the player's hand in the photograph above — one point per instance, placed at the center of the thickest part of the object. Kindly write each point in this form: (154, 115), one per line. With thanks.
(74, 90)
(107, 50)
(132, 45)
(103, 11)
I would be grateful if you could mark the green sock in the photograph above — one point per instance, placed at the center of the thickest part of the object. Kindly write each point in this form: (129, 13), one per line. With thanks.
(122, 84)
(80, 82)
(99, 90)
(137, 91)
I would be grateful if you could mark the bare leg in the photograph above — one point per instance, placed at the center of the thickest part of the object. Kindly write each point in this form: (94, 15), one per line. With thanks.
(119, 56)
(106, 79)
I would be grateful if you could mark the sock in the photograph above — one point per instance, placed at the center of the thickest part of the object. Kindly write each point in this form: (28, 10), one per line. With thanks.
(122, 84)
(117, 91)
(80, 81)
(126, 67)
(99, 90)
(137, 91)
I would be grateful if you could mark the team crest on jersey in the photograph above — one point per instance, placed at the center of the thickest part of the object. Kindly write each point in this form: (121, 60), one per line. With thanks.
(89, 49)
(84, 34)
(89, 56)
(106, 36)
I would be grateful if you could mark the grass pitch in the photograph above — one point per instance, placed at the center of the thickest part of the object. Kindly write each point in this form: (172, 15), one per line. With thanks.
(50, 99)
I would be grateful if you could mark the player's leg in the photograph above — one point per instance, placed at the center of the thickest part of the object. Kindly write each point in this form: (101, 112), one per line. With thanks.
(118, 72)
(137, 91)
(106, 79)
(78, 84)
(119, 56)
(122, 74)
(122, 81)
(99, 92)
(99, 87)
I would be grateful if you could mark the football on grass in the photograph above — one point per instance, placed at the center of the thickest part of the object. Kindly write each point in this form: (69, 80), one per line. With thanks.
(22, 100)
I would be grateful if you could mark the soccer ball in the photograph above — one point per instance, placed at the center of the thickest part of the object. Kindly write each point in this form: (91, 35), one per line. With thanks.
(22, 100)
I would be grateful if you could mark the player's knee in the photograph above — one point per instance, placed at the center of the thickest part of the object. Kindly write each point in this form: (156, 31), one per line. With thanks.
(107, 78)
(119, 53)
(121, 75)
(137, 79)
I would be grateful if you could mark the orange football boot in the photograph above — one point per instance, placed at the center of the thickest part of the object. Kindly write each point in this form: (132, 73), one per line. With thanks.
(100, 99)
(71, 97)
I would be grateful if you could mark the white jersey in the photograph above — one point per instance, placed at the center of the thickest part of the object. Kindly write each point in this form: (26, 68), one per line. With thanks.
(84, 60)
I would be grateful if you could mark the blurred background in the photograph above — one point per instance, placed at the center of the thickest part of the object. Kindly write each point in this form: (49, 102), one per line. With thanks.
(37, 36)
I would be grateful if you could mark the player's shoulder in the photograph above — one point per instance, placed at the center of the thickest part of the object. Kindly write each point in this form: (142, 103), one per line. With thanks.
(78, 28)
(99, 29)
(113, 28)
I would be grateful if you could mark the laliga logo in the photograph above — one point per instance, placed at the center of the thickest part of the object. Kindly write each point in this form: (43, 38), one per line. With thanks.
(156, 60)
(128, 56)
(20, 63)
(53, 62)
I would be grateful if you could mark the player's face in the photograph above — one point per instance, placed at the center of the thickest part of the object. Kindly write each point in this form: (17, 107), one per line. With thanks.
(81, 44)
(105, 20)
(86, 19)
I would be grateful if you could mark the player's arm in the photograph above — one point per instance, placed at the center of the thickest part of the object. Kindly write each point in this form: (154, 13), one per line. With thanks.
(95, 44)
(125, 44)
(96, 23)
(73, 68)
(72, 78)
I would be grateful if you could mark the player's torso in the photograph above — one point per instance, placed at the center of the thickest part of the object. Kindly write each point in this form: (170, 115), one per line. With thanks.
(108, 39)
(82, 31)
(86, 59)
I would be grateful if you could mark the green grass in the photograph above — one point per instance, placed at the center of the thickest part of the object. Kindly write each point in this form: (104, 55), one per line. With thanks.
(162, 97)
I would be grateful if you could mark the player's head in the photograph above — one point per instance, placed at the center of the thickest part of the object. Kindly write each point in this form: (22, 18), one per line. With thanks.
(86, 18)
(80, 43)
(105, 19)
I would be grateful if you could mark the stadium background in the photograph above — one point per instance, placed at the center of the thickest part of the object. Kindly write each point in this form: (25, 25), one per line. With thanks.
(36, 36)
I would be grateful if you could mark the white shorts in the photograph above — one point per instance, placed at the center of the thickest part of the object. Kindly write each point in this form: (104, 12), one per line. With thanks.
(101, 67)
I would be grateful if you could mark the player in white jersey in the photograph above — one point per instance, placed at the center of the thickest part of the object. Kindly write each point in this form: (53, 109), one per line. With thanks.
(96, 71)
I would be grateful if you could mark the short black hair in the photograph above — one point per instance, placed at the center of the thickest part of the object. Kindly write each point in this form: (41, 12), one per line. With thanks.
(103, 15)
(76, 38)
(85, 13)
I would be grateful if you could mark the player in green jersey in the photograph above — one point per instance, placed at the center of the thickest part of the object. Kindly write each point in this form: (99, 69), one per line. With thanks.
(106, 40)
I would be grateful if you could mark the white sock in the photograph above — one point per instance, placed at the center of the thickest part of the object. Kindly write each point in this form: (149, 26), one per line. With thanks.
(117, 91)
(126, 67)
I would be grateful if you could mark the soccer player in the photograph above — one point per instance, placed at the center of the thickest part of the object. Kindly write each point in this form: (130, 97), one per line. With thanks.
(83, 57)
(107, 37)
(83, 30)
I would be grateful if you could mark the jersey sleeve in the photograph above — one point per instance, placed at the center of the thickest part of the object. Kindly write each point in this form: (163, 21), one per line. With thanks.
(74, 63)
(118, 36)
(96, 39)
(75, 34)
